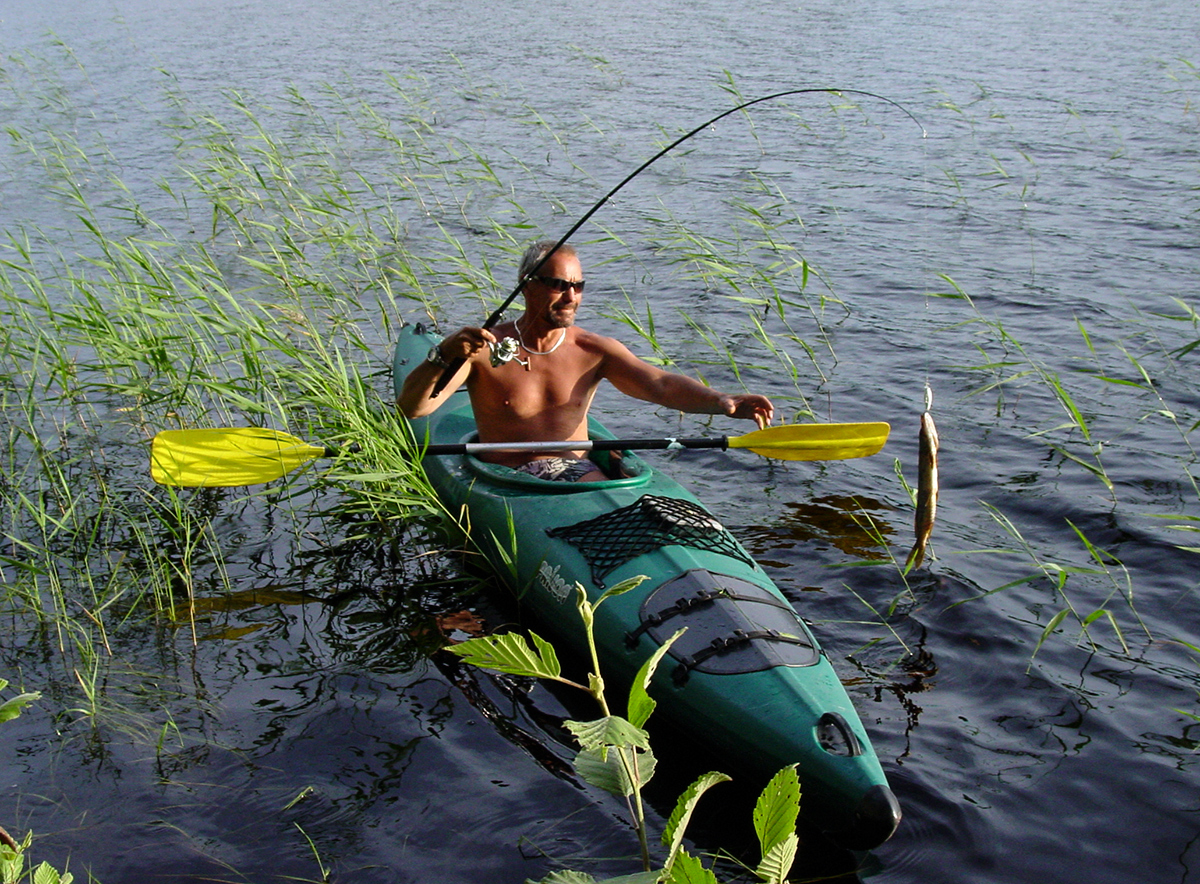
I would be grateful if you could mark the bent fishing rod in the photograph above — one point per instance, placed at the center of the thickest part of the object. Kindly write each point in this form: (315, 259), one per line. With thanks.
(456, 364)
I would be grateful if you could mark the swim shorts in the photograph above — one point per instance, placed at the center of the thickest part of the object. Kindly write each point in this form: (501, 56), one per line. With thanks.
(558, 469)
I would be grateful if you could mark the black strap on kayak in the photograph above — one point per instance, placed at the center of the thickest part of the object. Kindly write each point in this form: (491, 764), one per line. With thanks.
(724, 644)
(690, 603)
(649, 523)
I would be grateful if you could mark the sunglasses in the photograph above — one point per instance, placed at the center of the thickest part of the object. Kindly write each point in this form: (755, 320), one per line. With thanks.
(561, 285)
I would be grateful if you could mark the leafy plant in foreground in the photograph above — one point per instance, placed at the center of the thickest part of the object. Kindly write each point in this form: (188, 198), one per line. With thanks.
(12, 853)
(615, 755)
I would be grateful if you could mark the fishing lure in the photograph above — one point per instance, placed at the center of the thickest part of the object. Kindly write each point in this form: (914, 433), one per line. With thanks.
(927, 485)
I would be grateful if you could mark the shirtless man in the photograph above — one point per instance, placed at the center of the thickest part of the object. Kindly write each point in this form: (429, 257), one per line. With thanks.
(544, 394)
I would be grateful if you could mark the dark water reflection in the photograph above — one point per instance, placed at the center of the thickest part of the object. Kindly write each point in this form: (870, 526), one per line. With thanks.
(393, 770)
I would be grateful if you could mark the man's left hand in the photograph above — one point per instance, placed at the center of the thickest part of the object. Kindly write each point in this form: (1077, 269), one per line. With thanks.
(751, 407)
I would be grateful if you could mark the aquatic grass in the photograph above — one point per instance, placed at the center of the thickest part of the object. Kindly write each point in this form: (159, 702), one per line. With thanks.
(758, 268)
(1030, 367)
(732, 268)
(326, 872)
(263, 321)
(791, 369)
(158, 332)
(728, 84)
(715, 342)
(881, 618)
(1123, 389)
(1057, 575)
(876, 533)
(1185, 73)
(644, 329)
(260, 288)
(1171, 356)
(1189, 316)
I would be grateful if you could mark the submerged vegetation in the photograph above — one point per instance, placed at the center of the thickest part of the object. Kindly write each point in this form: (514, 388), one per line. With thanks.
(260, 280)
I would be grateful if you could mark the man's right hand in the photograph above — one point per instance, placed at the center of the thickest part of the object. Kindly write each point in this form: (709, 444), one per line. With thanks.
(465, 343)
(416, 398)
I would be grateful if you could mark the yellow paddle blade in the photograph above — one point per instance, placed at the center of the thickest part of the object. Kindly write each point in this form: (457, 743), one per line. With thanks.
(815, 441)
(224, 458)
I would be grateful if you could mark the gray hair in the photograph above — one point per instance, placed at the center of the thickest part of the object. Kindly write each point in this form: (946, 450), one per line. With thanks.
(536, 253)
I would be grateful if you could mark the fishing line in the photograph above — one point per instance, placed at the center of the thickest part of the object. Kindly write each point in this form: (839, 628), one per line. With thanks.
(449, 371)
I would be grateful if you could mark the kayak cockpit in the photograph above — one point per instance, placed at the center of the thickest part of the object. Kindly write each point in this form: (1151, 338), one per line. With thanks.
(627, 471)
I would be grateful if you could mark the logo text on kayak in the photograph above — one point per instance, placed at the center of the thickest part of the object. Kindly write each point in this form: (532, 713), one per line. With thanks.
(554, 584)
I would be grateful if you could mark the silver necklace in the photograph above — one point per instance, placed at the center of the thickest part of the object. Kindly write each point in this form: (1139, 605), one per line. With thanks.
(530, 350)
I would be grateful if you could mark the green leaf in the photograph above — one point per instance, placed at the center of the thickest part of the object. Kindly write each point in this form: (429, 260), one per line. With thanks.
(610, 731)
(1112, 621)
(10, 709)
(611, 770)
(565, 876)
(641, 704)
(778, 861)
(688, 870)
(12, 864)
(621, 588)
(1091, 468)
(47, 874)
(635, 878)
(587, 611)
(1050, 627)
(672, 835)
(511, 654)
(777, 808)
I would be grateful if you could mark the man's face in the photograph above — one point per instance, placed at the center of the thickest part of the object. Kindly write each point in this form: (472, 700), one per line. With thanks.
(555, 307)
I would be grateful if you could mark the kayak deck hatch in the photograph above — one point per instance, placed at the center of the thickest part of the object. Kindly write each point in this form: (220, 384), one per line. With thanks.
(733, 626)
(651, 522)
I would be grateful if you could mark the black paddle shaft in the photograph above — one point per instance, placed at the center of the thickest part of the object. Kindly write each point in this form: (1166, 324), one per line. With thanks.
(721, 442)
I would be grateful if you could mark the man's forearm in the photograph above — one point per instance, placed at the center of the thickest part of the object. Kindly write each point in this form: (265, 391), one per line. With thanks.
(687, 394)
(415, 398)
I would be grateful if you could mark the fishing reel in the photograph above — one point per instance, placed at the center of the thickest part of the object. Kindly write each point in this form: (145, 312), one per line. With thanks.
(505, 350)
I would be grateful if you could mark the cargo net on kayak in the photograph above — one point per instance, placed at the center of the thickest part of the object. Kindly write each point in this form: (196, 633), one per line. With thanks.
(651, 522)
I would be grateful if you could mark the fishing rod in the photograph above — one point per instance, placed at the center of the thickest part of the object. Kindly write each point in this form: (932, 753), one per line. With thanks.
(456, 364)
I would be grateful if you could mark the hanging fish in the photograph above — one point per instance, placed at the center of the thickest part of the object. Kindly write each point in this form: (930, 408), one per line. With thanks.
(927, 486)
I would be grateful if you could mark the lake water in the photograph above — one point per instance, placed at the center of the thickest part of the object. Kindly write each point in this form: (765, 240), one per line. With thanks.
(1056, 183)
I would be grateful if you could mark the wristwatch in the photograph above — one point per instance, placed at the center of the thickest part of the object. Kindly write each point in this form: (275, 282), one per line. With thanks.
(435, 356)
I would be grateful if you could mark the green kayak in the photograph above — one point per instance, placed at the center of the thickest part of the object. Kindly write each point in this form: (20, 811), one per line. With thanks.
(747, 680)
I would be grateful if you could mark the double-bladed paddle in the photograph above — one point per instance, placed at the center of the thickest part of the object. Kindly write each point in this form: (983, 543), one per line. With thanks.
(249, 455)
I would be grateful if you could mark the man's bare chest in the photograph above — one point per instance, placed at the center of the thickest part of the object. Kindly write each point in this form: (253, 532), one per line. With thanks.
(544, 384)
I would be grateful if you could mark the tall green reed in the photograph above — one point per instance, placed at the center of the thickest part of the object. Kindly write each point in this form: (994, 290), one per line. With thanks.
(276, 318)
(1112, 387)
